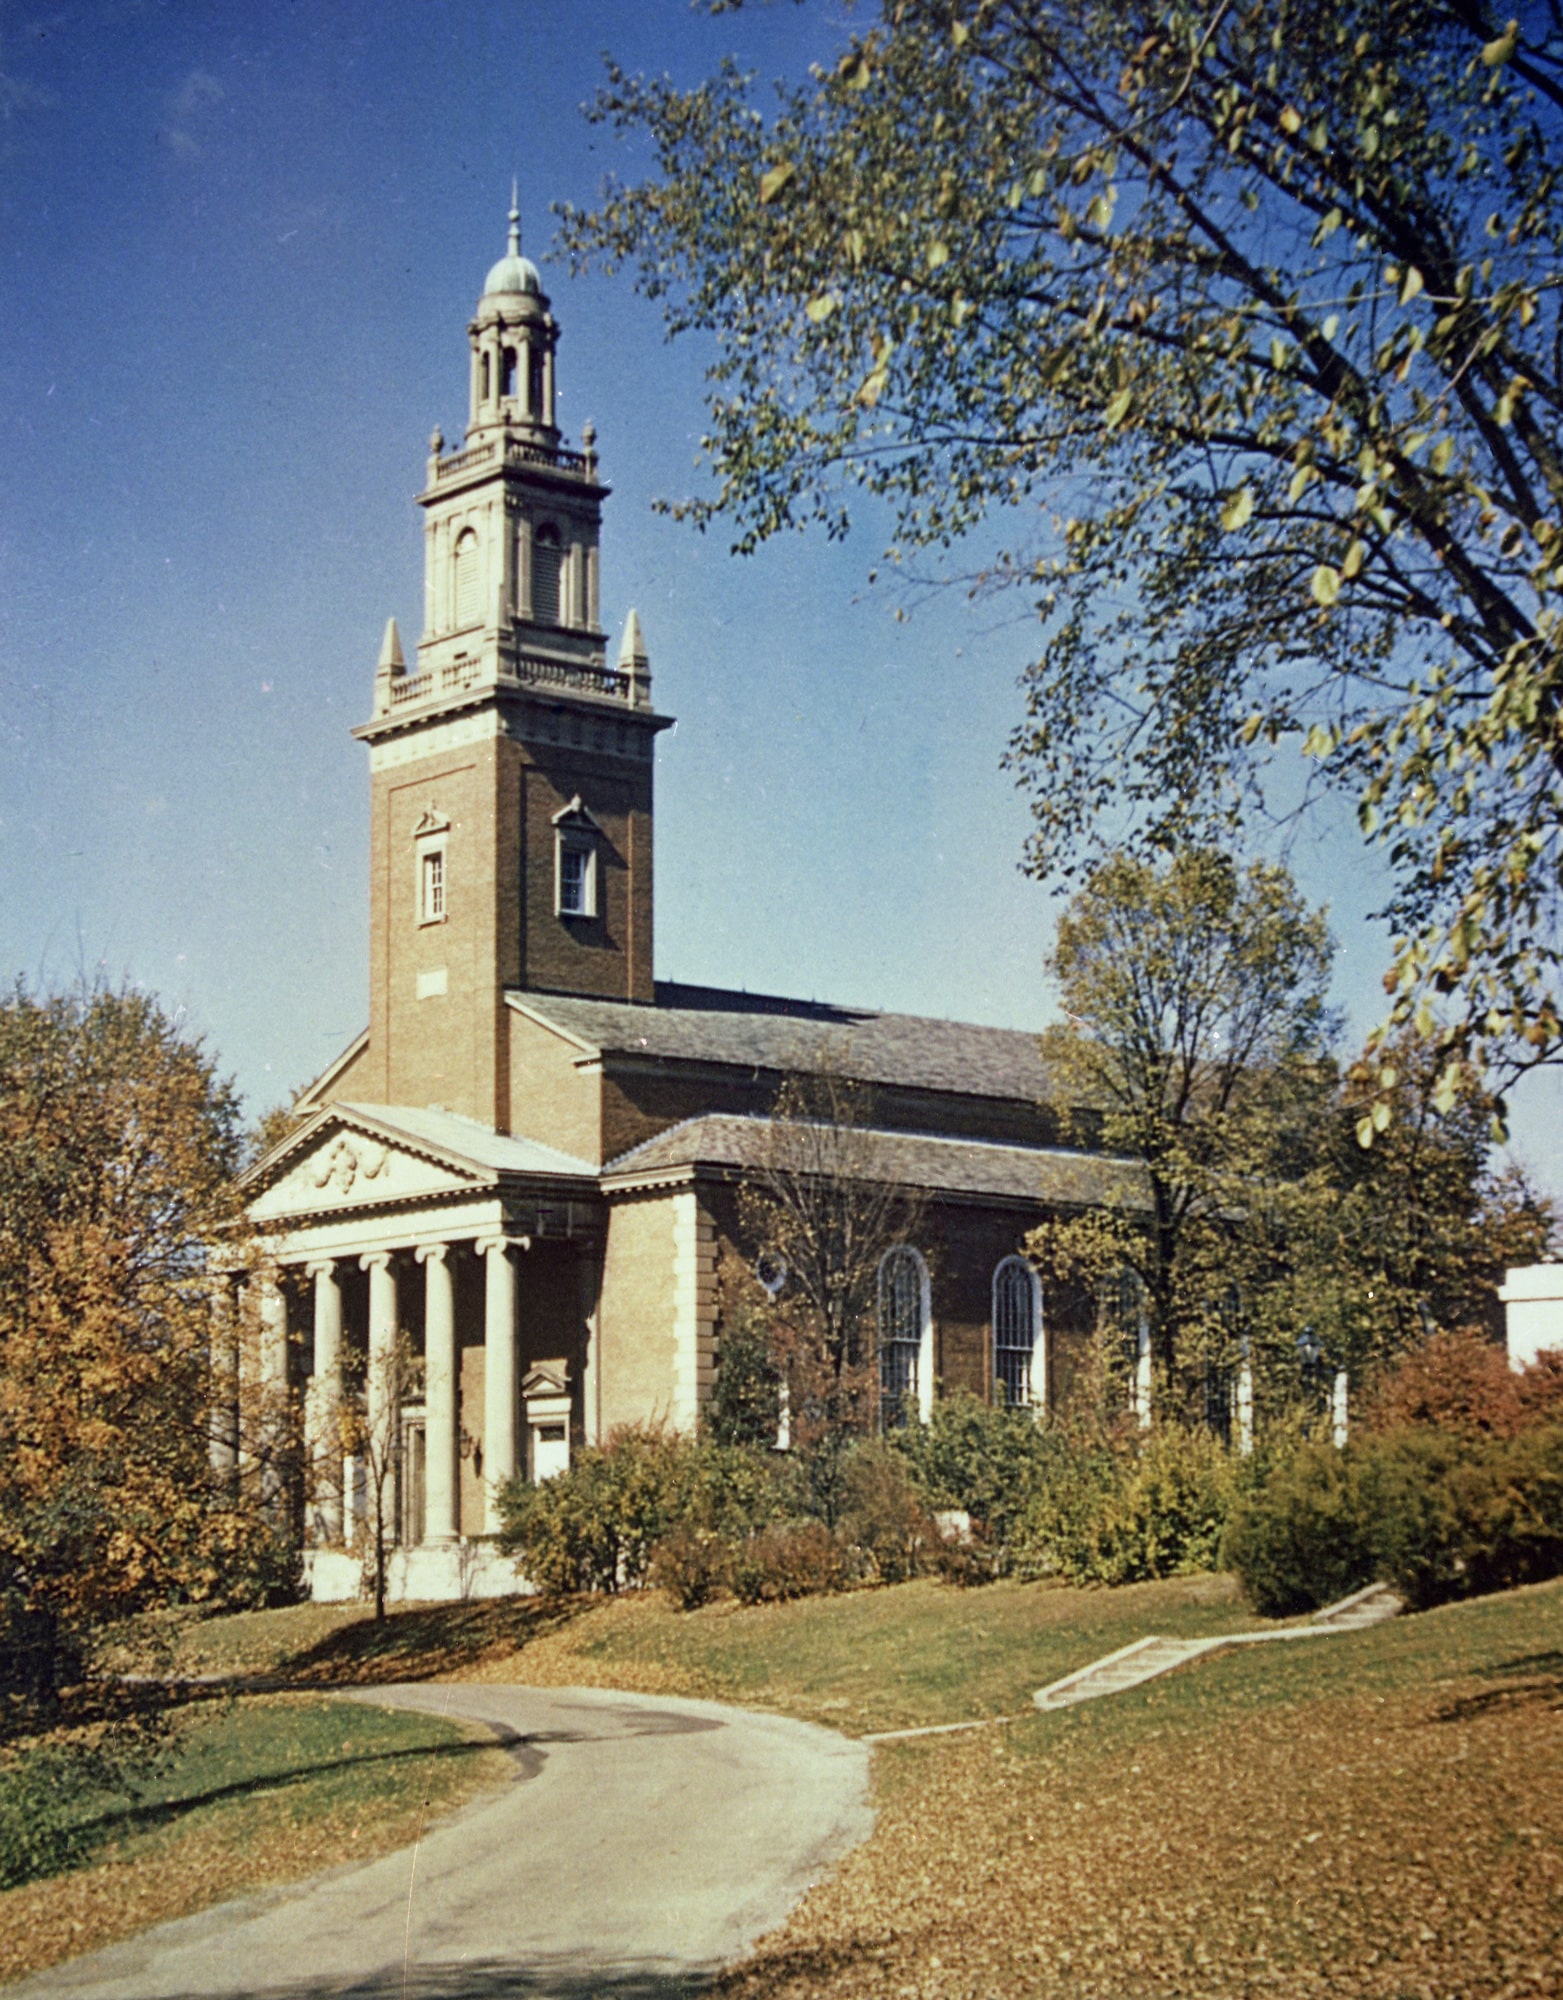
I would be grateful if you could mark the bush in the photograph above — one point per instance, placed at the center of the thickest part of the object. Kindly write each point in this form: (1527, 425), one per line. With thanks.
(1459, 1382)
(1125, 1512)
(797, 1559)
(985, 1459)
(594, 1527)
(1305, 1537)
(1437, 1514)
(884, 1515)
(691, 1565)
(1461, 1517)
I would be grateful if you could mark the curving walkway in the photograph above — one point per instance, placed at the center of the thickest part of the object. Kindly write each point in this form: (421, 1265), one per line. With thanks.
(647, 1842)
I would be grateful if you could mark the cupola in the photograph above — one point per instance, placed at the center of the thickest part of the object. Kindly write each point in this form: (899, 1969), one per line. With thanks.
(513, 338)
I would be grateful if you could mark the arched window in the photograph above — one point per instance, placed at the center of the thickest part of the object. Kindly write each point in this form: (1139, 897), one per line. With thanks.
(904, 1367)
(468, 594)
(484, 372)
(1019, 1357)
(545, 576)
(507, 373)
(534, 383)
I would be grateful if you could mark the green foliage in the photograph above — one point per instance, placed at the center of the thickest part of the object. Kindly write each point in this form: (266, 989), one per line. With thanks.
(1244, 323)
(595, 1526)
(980, 1457)
(1458, 1518)
(1129, 1511)
(884, 1513)
(1196, 1037)
(1303, 1538)
(745, 1405)
(1437, 1514)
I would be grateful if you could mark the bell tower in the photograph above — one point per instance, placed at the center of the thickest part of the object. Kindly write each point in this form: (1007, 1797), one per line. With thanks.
(510, 766)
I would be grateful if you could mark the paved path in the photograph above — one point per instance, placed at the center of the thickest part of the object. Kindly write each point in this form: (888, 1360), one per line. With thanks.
(1147, 1658)
(646, 1842)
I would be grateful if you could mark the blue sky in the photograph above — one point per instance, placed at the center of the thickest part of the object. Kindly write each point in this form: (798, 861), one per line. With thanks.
(240, 247)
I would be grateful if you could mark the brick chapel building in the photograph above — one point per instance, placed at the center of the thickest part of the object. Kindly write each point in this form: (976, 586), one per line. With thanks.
(528, 1161)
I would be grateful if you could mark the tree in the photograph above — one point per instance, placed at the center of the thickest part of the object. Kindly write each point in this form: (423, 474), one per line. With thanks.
(370, 1429)
(119, 1145)
(1247, 316)
(821, 1214)
(1196, 1044)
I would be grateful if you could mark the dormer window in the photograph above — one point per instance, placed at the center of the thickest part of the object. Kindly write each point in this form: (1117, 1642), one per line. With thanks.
(433, 883)
(576, 841)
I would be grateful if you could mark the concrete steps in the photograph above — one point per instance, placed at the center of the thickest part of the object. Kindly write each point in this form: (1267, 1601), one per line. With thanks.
(1147, 1658)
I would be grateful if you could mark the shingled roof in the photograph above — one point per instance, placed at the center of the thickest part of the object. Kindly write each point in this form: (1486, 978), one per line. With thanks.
(754, 1032)
(1049, 1175)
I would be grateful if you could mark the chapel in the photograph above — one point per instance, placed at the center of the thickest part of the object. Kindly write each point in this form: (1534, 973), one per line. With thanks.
(526, 1167)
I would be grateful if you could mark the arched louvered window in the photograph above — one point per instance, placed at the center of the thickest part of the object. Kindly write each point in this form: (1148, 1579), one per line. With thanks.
(1019, 1367)
(507, 373)
(545, 576)
(469, 595)
(903, 1335)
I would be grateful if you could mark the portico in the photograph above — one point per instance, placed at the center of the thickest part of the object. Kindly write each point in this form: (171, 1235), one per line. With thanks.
(422, 1269)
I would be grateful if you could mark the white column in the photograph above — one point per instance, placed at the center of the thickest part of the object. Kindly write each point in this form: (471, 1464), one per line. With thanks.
(593, 603)
(1142, 1376)
(1338, 1409)
(523, 567)
(380, 1388)
(273, 1308)
(589, 1282)
(322, 1439)
(1245, 1407)
(548, 385)
(223, 1424)
(499, 1372)
(442, 1455)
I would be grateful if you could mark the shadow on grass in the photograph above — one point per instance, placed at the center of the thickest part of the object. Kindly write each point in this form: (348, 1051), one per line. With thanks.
(1527, 1679)
(416, 1643)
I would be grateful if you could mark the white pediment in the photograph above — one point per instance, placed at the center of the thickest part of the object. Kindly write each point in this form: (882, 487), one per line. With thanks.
(345, 1169)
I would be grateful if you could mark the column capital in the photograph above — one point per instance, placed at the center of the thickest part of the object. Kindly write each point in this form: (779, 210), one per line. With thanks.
(376, 1260)
(485, 1244)
(321, 1267)
(432, 1253)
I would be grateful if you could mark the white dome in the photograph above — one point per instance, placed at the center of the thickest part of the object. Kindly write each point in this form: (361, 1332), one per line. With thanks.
(513, 273)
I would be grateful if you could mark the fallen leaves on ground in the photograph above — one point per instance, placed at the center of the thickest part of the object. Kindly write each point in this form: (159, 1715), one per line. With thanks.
(1375, 1846)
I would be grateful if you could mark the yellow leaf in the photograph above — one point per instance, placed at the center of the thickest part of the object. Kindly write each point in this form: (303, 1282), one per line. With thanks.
(1290, 122)
(1498, 51)
(774, 179)
(938, 253)
(1239, 509)
(872, 389)
(1381, 1116)
(821, 308)
(1118, 409)
(1410, 285)
(1365, 1133)
(1438, 458)
(1325, 586)
(1354, 560)
(960, 34)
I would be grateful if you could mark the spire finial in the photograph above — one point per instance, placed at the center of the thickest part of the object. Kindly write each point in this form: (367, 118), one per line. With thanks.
(515, 217)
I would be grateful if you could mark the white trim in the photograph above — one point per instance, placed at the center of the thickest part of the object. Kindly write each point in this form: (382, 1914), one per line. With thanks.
(925, 1345)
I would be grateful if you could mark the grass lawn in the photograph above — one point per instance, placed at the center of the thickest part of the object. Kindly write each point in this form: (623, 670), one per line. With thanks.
(263, 1789)
(1379, 1814)
(874, 1659)
(1376, 1814)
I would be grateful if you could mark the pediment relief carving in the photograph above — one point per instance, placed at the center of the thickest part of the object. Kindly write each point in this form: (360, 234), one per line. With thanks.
(351, 1169)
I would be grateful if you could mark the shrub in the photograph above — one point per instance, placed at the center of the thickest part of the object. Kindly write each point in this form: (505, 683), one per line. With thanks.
(1305, 1537)
(1437, 1514)
(968, 1560)
(796, 1559)
(884, 1515)
(1461, 1517)
(1125, 1512)
(1457, 1381)
(691, 1565)
(594, 1527)
(982, 1458)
